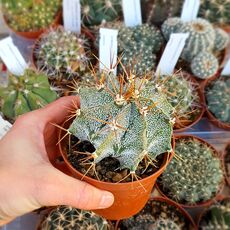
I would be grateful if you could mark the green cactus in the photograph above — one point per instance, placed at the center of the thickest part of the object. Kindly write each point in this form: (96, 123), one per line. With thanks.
(163, 224)
(217, 98)
(204, 65)
(26, 93)
(216, 11)
(216, 217)
(68, 218)
(62, 54)
(97, 12)
(196, 177)
(221, 39)
(30, 15)
(123, 119)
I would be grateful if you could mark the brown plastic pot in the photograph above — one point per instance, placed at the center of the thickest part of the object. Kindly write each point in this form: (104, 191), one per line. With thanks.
(130, 197)
(221, 186)
(227, 178)
(35, 34)
(171, 203)
(210, 116)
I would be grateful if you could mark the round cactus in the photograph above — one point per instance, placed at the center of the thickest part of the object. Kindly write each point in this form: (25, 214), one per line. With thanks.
(122, 119)
(217, 98)
(30, 15)
(68, 218)
(196, 177)
(26, 93)
(221, 39)
(96, 12)
(164, 224)
(61, 54)
(204, 65)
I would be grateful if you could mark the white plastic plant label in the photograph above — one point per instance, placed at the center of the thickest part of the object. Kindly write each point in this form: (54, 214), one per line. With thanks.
(5, 126)
(172, 53)
(190, 10)
(72, 15)
(132, 12)
(12, 57)
(108, 50)
(226, 70)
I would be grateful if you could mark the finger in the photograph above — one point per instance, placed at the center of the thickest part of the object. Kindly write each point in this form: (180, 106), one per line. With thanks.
(60, 189)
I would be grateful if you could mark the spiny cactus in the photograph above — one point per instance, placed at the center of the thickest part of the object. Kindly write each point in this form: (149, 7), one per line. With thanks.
(68, 218)
(216, 217)
(97, 12)
(26, 93)
(128, 120)
(221, 39)
(182, 94)
(62, 54)
(217, 98)
(163, 224)
(30, 15)
(204, 65)
(196, 177)
(216, 11)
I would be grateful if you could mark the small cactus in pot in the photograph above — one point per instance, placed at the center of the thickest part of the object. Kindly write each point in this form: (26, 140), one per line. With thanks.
(25, 93)
(196, 176)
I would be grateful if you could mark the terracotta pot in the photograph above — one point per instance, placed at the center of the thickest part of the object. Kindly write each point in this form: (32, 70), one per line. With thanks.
(210, 116)
(224, 156)
(130, 197)
(174, 204)
(207, 208)
(36, 34)
(221, 186)
(226, 28)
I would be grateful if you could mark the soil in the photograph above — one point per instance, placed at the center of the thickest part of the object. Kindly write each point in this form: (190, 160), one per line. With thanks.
(106, 170)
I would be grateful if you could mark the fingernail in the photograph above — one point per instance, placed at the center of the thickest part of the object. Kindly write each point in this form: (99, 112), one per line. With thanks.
(106, 200)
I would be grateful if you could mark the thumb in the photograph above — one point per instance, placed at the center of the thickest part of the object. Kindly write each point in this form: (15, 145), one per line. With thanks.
(60, 189)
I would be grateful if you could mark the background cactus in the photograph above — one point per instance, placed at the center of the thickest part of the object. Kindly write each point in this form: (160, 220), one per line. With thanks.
(62, 54)
(221, 39)
(204, 65)
(216, 217)
(67, 218)
(26, 93)
(217, 98)
(30, 15)
(196, 177)
(163, 224)
(97, 12)
(122, 119)
(216, 11)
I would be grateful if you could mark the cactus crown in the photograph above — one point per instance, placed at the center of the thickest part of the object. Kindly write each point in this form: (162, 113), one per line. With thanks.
(66, 218)
(61, 54)
(30, 15)
(129, 120)
(26, 93)
(217, 98)
(197, 177)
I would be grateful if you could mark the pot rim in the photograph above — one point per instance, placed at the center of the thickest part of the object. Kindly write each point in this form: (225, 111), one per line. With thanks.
(225, 171)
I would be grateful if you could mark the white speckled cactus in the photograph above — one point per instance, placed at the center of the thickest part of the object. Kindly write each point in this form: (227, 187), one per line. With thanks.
(128, 120)
(165, 224)
(221, 39)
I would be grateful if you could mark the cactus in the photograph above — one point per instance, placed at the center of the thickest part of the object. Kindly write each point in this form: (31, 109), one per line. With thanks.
(124, 118)
(97, 12)
(30, 15)
(217, 98)
(227, 163)
(62, 54)
(221, 39)
(163, 224)
(67, 218)
(204, 65)
(26, 93)
(182, 94)
(216, 217)
(195, 178)
(216, 11)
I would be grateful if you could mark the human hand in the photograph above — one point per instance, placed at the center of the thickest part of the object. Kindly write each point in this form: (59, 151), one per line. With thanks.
(28, 180)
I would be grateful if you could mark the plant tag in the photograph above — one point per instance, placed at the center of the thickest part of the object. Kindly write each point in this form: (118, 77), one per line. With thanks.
(172, 53)
(132, 12)
(72, 15)
(12, 57)
(108, 50)
(226, 70)
(4, 127)
(190, 10)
